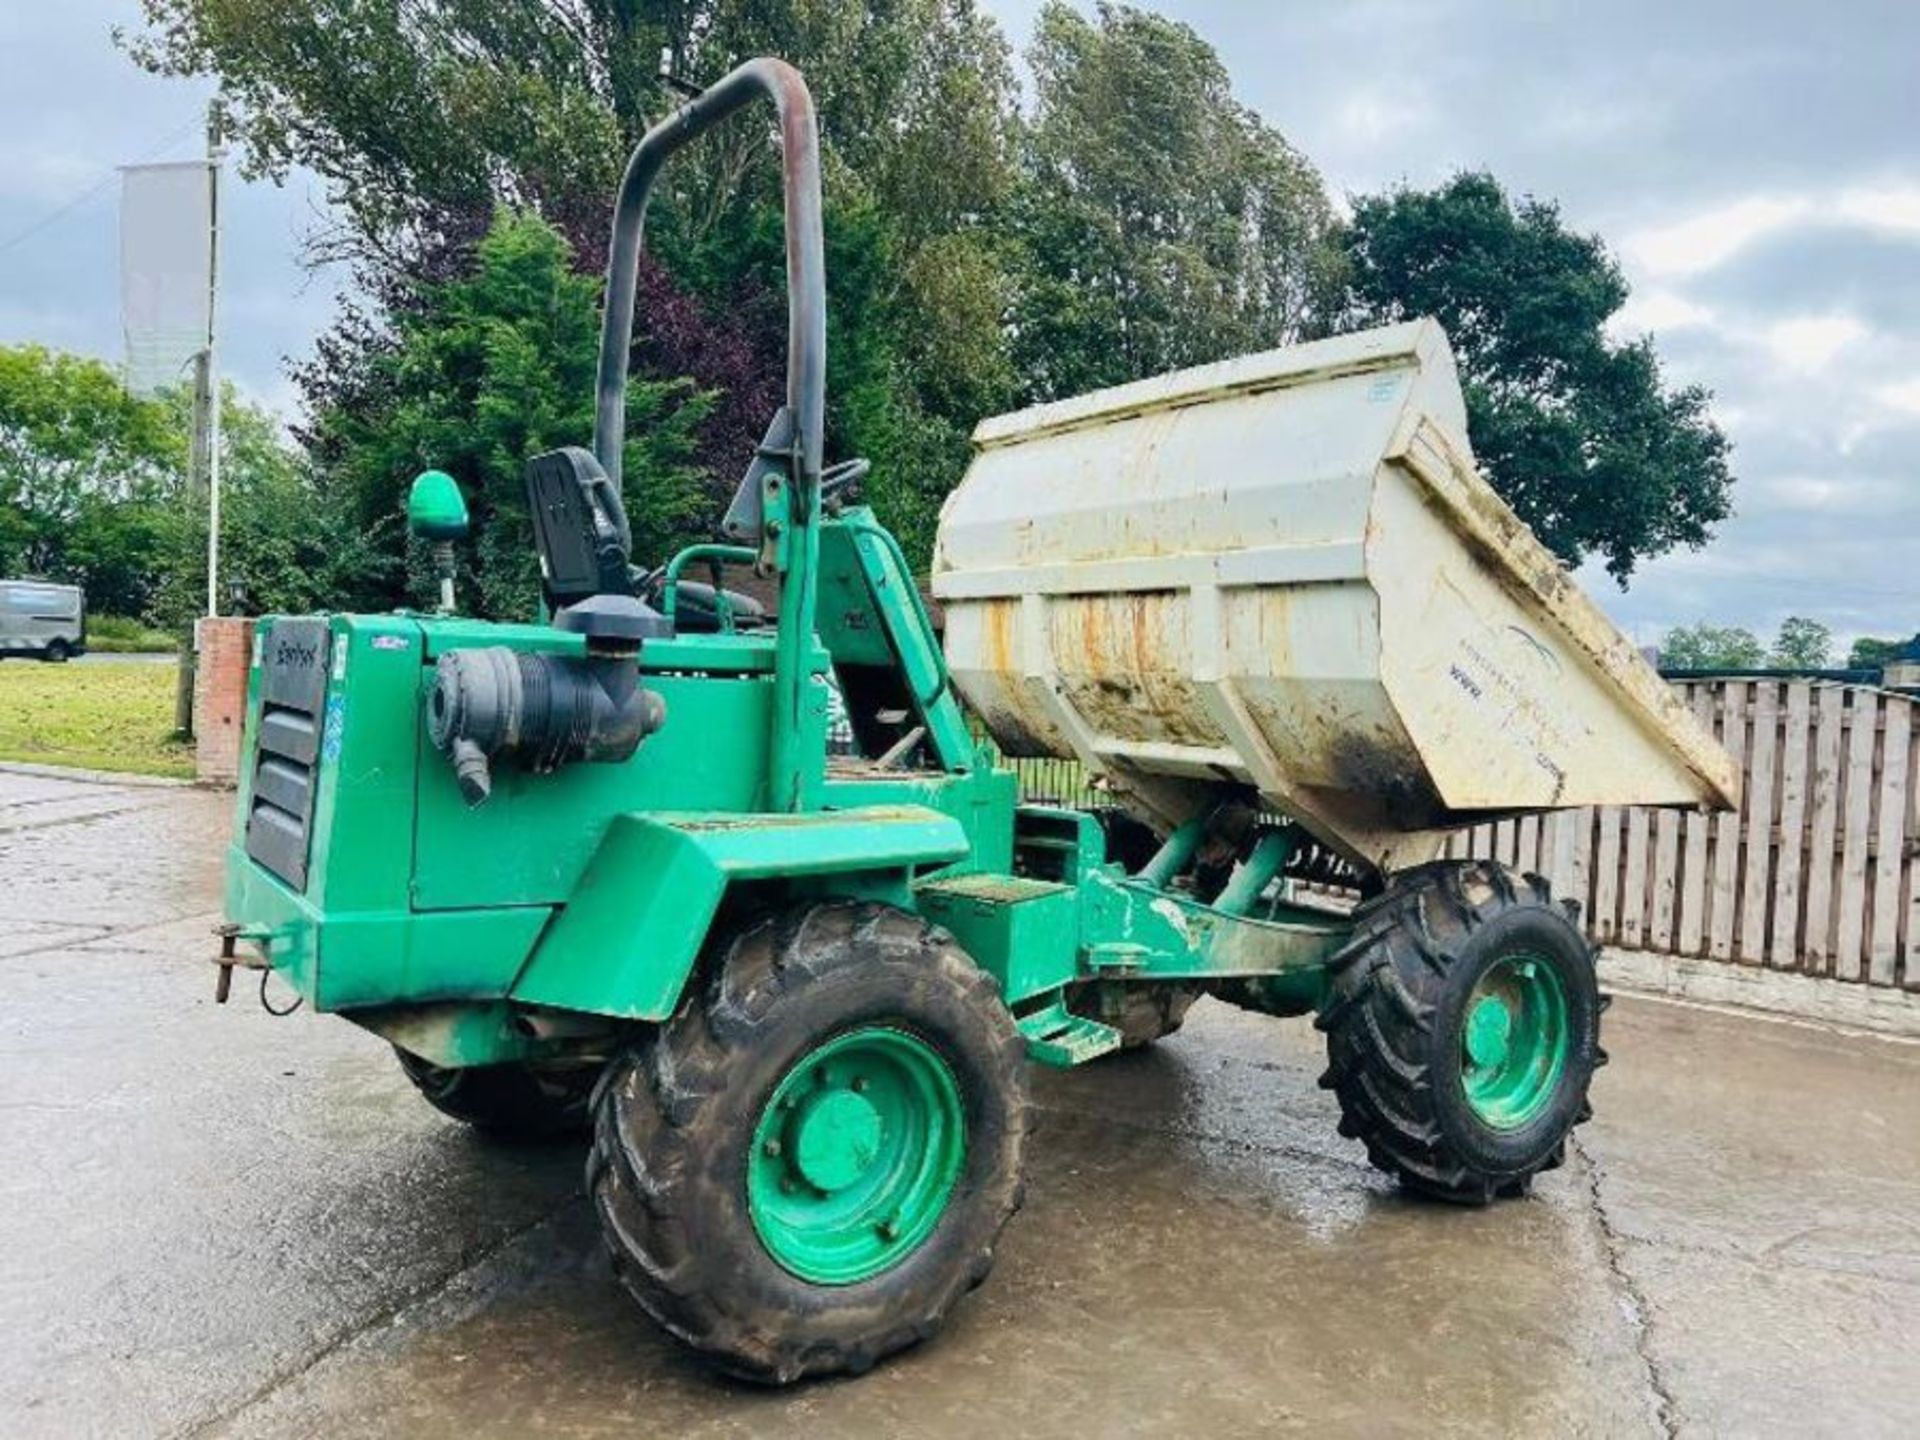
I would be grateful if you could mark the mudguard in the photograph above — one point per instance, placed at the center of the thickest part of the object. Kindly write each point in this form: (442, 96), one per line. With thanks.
(628, 937)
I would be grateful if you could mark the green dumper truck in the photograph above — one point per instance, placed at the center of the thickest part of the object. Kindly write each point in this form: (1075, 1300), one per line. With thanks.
(600, 873)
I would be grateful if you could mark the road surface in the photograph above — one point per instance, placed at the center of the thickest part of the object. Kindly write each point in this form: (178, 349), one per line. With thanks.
(213, 1222)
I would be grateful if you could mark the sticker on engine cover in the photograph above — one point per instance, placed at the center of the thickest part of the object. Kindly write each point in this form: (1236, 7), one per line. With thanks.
(336, 722)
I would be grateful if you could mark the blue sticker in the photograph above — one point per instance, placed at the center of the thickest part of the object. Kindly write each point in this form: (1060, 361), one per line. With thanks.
(336, 722)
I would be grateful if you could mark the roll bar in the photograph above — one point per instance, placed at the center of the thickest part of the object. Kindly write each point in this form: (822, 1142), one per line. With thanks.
(779, 82)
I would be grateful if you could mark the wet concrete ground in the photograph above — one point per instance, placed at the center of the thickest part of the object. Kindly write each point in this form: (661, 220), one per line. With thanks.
(215, 1222)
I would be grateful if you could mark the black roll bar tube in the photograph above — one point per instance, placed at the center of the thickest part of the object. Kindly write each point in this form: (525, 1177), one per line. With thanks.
(779, 82)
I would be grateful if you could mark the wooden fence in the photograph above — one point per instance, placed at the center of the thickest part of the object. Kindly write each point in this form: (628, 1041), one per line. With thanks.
(1815, 873)
(1056, 782)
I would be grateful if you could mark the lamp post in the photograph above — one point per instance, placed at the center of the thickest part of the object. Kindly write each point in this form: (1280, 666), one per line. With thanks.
(204, 453)
(216, 154)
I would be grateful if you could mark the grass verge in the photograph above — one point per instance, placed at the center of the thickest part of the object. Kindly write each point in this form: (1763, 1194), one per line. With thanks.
(119, 635)
(103, 716)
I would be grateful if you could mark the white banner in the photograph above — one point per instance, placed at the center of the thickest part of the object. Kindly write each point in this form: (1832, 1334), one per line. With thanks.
(166, 255)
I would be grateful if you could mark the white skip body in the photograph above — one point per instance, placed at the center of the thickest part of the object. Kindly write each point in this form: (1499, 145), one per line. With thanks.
(1285, 571)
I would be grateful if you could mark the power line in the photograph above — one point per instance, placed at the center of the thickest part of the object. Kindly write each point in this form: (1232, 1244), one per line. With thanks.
(66, 208)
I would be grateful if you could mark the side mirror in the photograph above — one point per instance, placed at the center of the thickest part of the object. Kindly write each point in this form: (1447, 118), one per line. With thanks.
(437, 514)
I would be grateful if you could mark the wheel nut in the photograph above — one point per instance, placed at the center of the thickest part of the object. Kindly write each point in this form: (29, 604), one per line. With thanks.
(859, 1082)
(770, 1149)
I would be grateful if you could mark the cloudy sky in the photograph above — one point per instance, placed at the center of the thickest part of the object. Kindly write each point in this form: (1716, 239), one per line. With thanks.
(72, 108)
(1755, 165)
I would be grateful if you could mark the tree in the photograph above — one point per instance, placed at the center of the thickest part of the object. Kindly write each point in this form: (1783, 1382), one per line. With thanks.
(1159, 222)
(423, 119)
(411, 111)
(481, 374)
(1802, 644)
(1579, 434)
(287, 545)
(1145, 219)
(1711, 647)
(92, 492)
(86, 471)
(1871, 654)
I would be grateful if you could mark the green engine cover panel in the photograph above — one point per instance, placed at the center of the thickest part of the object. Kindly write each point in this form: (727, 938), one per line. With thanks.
(345, 960)
(628, 938)
(351, 938)
(533, 838)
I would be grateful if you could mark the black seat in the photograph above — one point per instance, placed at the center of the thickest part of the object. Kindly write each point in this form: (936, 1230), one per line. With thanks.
(579, 526)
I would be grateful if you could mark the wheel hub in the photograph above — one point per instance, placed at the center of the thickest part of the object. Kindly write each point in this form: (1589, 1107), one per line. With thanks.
(1514, 1039)
(836, 1137)
(1489, 1028)
(855, 1155)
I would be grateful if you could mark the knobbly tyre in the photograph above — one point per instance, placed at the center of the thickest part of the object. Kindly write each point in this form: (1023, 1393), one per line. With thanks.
(598, 873)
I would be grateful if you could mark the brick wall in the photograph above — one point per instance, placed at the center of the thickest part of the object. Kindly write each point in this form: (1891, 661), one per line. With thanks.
(220, 698)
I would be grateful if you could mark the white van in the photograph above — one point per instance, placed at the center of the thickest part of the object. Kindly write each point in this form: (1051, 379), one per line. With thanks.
(38, 617)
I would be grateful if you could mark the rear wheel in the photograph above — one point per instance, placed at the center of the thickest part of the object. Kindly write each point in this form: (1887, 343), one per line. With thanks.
(514, 1101)
(1142, 1011)
(57, 651)
(807, 1167)
(1463, 1030)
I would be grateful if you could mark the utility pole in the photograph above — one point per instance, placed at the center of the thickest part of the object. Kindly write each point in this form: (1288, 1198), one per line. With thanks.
(216, 153)
(203, 456)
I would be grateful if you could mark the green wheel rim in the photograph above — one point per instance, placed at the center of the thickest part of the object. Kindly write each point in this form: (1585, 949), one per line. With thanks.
(1513, 1042)
(855, 1155)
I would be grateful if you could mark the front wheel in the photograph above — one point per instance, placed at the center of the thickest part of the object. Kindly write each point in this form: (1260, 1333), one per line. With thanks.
(1463, 1030)
(807, 1167)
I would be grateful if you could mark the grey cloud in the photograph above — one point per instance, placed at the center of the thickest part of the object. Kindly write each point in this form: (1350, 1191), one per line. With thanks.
(72, 108)
(1710, 98)
(1639, 115)
(1821, 266)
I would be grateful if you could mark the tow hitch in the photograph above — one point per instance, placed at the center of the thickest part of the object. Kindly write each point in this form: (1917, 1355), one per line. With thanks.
(228, 960)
